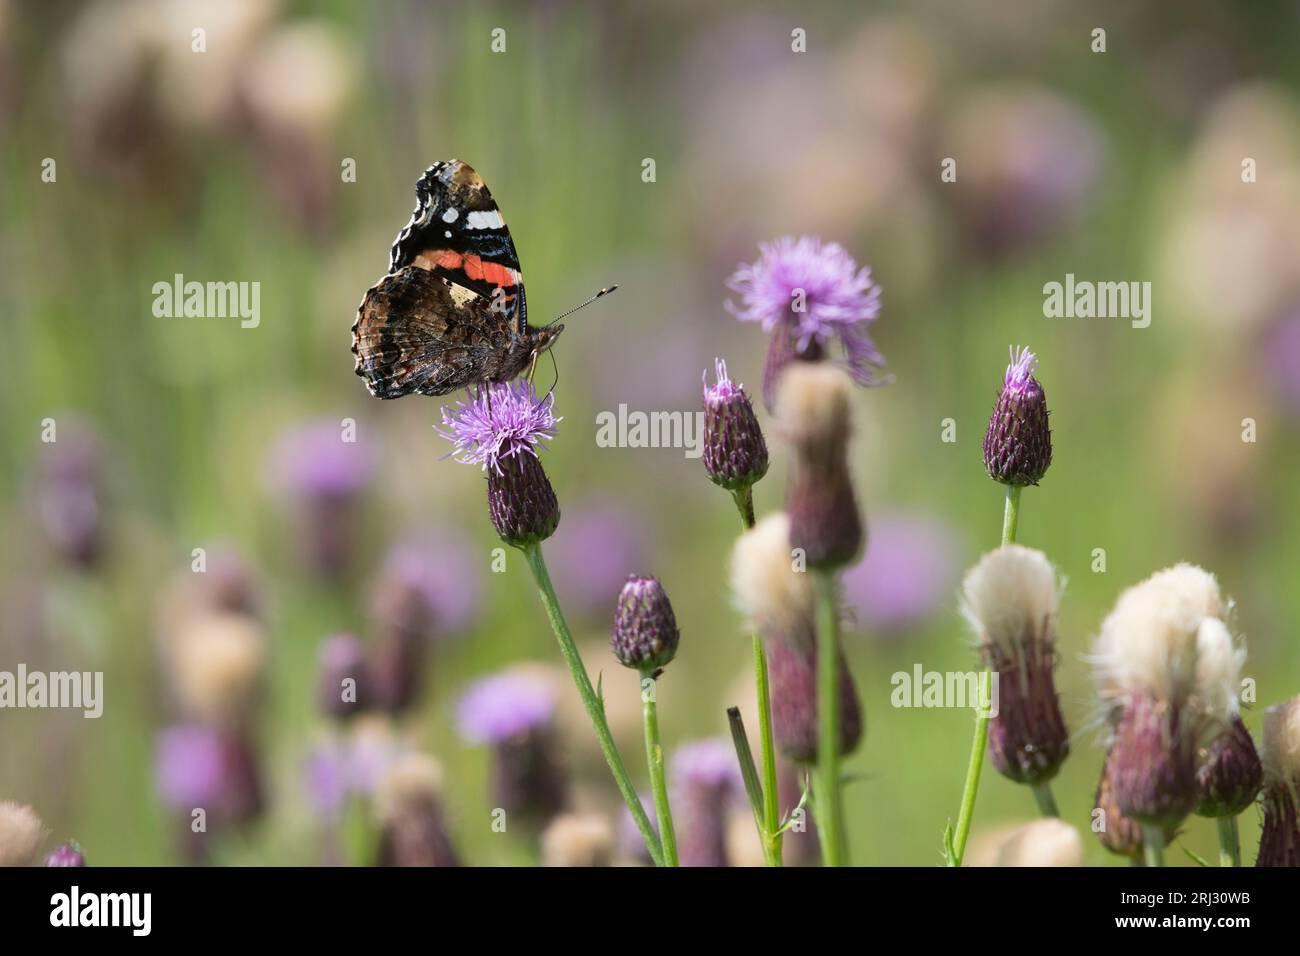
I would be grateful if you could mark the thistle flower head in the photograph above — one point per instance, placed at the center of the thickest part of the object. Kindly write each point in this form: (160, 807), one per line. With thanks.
(1282, 743)
(735, 453)
(69, 854)
(813, 415)
(573, 839)
(792, 671)
(1010, 599)
(408, 802)
(1279, 839)
(433, 585)
(342, 659)
(814, 287)
(1168, 672)
(1047, 842)
(645, 629)
(21, 833)
(498, 422)
(217, 664)
(1018, 442)
(505, 706)
(1228, 772)
(776, 600)
(315, 461)
(705, 783)
(1167, 637)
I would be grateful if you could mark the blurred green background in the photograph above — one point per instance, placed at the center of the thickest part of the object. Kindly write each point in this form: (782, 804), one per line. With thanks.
(226, 165)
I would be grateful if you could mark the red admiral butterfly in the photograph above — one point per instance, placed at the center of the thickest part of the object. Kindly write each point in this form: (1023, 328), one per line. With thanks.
(451, 312)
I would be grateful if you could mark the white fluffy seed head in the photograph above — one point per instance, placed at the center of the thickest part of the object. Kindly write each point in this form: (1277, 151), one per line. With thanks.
(1168, 637)
(1281, 750)
(217, 661)
(21, 834)
(413, 780)
(1047, 842)
(775, 599)
(1011, 596)
(812, 404)
(574, 839)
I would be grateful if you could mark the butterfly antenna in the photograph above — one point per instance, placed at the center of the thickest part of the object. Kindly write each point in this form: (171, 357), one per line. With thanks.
(556, 366)
(605, 291)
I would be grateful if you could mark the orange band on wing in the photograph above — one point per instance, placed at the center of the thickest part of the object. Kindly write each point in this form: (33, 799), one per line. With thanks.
(492, 273)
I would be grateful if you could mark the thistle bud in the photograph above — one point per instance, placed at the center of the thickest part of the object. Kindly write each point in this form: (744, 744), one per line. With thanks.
(645, 629)
(574, 840)
(1229, 773)
(343, 679)
(735, 454)
(1279, 838)
(521, 501)
(21, 833)
(408, 801)
(67, 855)
(813, 416)
(1010, 599)
(1018, 443)
(792, 673)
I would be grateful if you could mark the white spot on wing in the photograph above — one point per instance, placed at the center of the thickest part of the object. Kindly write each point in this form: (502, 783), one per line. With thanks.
(451, 215)
(491, 219)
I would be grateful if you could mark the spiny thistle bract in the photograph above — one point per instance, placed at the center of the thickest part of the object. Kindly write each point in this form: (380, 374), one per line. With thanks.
(735, 453)
(645, 630)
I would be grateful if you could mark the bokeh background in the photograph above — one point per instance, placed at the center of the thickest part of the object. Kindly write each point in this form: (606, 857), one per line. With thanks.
(182, 433)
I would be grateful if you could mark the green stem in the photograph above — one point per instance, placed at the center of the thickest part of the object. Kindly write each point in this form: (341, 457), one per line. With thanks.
(1011, 514)
(1153, 845)
(1046, 802)
(829, 798)
(769, 825)
(595, 706)
(655, 757)
(1229, 842)
(1010, 519)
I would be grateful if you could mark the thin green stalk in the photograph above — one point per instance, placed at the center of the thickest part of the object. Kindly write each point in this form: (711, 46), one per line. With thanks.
(1229, 842)
(655, 757)
(1011, 514)
(1010, 519)
(595, 706)
(770, 824)
(1153, 845)
(1046, 801)
(830, 802)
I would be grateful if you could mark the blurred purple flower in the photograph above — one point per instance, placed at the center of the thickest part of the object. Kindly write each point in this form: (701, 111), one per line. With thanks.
(503, 706)
(806, 292)
(706, 763)
(1282, 359)
(593, 552)
(435, 567)
(314, 461)
(498, 421)
(189, 767)
(327, 780)
(70, 493)
(69, 854)
(705, 783)
(907, 574)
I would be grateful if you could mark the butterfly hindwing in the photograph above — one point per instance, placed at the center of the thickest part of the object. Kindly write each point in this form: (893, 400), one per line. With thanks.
(417, 331)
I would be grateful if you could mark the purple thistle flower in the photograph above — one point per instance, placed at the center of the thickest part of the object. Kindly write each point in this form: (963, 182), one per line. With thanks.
(512, 711)
(591, 556)
(189, 766)
(706, 781)
(806, 292)
(907, 574)
(503, 706)
(433, 566)
(70, 494)
(498, 421)
(69, 854)
(313, 460)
